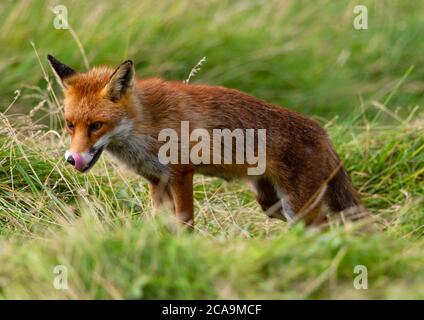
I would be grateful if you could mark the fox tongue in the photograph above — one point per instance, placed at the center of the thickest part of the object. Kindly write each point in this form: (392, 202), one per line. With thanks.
(79, 161)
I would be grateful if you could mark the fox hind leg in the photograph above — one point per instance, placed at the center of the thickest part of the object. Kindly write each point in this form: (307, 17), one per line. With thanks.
(303, 205)
(269, 199)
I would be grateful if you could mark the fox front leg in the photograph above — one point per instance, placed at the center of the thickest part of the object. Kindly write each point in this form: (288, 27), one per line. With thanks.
(160, 194)
(182, 194)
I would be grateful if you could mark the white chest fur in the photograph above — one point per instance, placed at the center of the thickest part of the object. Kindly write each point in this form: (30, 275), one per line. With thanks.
(136, 154)
(135, 151)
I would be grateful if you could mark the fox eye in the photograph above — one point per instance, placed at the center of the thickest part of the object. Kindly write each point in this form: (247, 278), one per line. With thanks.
(70, 125)
(95, 126)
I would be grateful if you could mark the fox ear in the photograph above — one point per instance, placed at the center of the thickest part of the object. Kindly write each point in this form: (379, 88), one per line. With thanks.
(121, 81)
(61, 71)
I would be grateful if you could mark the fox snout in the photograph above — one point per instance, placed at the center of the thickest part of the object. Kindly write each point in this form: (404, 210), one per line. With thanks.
(83, 161)
(76, 159)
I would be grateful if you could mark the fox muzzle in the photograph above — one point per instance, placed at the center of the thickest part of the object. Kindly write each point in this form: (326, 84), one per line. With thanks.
(83, 161)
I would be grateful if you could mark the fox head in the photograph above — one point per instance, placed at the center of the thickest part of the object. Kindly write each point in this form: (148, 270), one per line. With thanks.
(98, 107)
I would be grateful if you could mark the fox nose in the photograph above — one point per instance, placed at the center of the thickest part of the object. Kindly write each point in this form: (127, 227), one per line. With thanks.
(71, 160)
(76, 159)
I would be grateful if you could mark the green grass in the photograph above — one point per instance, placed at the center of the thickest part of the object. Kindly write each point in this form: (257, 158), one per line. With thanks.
(300, 54)
(100, 226)
(364, 86)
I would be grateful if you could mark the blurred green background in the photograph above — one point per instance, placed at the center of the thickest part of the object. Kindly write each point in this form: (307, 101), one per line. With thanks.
(303, 55)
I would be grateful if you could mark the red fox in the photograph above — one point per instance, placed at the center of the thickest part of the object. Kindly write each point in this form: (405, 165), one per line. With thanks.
(109, 109)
